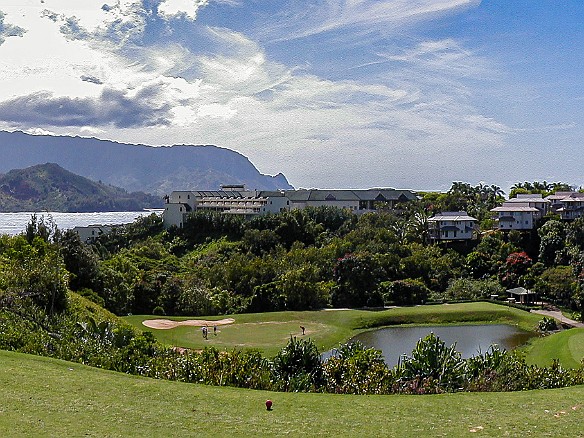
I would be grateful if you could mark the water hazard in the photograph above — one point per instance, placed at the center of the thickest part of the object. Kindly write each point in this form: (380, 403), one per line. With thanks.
(470, 339)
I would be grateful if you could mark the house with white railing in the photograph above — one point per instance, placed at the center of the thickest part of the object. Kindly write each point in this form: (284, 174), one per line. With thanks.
(452, 225)
(569, 205)
(522, 212)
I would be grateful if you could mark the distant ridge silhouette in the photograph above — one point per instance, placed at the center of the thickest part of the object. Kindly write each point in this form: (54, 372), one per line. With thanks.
(155, 170)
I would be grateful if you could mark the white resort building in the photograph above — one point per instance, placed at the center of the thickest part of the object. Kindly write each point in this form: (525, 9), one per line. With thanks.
(452, 225)
(356, 200)
(235, 199)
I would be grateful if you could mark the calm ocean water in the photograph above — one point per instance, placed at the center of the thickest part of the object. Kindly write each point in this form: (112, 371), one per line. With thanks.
(15, 223)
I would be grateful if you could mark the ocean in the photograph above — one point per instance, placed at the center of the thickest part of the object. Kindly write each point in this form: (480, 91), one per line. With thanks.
(15, 223)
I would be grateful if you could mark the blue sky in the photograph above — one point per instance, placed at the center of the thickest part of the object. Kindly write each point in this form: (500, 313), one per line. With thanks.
(333, 93)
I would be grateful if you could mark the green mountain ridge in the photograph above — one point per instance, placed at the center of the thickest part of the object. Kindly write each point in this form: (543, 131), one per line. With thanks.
(52, 188)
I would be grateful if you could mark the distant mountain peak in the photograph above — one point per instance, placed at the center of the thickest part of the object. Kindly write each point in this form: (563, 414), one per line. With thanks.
(156, 170)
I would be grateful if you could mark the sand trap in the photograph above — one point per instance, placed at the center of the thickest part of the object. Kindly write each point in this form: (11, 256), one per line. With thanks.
(165, 324)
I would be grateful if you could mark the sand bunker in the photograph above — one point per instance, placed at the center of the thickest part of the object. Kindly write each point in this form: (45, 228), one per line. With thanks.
(165, 324)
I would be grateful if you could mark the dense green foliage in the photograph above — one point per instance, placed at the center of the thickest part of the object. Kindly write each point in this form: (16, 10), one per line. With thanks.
(322, 257)
(302, 259)
(38, 318)
(316, 258)
(86, 334)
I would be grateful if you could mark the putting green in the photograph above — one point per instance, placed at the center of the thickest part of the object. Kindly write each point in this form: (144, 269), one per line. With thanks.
(567, 346)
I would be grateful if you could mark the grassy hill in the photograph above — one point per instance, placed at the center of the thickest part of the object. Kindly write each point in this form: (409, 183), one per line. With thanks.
(50, 187)
(47, 397)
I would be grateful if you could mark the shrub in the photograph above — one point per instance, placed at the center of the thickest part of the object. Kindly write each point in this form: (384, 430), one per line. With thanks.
(158, 310)
(404, 292)
(438, 367)
(467, 289)
(547, 324)
(297, 366)
(354, 369)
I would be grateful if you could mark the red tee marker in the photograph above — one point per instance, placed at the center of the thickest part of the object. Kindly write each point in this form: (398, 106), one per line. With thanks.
(269, 405)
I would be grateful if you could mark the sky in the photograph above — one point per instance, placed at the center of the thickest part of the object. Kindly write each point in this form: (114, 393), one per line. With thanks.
(332, 93)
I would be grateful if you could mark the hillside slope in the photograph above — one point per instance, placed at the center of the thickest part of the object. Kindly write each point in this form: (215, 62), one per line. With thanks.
(68, 399)
(52, 188)
(156, 170)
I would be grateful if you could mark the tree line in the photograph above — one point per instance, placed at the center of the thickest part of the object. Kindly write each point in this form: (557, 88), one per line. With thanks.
(322, 257)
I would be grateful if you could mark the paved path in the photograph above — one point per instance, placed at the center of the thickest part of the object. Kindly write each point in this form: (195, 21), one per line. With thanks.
(558, 315)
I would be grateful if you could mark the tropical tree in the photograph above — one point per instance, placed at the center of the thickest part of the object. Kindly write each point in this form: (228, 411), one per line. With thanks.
(552, 241)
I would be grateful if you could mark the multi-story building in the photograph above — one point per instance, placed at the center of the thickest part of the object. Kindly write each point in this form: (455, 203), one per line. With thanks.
(522, 212)
(356, 200)
(569, 205)
(235, 199)
(531, 200)
(228, 200)
(90, 233)
(516, 217)
(452, 225)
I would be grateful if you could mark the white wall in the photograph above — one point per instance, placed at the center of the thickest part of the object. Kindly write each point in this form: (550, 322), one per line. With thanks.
(174, 215)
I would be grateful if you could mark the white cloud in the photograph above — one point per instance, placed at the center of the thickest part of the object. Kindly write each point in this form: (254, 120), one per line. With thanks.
(39, 131)
(86, 68)
(181, 8)
(8, 30)
(305, 18)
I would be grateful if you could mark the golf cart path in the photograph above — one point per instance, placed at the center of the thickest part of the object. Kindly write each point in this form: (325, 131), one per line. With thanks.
(558, 315)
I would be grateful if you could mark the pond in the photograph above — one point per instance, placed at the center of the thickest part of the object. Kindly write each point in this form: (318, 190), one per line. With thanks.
(470, 339)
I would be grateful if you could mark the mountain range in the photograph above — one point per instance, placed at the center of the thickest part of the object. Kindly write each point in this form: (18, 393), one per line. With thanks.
(49, 187)
(155, 170)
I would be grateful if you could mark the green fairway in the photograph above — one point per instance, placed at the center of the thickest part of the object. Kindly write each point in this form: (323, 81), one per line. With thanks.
(46, 397)
(567, 346)
(269, 332)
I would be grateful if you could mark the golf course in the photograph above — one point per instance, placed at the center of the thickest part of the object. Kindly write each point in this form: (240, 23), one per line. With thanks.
(268, 332)
(48, 397)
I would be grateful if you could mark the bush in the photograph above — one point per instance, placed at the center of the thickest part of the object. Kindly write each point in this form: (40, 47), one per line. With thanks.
(158, 310)
(467, 289)
(547, 324)
(297, 366)
(437, 367)
(354, 369)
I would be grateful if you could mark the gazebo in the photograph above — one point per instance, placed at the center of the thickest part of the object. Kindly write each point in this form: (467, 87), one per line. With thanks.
(522, 295)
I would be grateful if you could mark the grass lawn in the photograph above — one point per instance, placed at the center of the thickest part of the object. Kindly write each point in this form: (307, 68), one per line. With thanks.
(567, 346)
(47, 397)
(269, 332)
